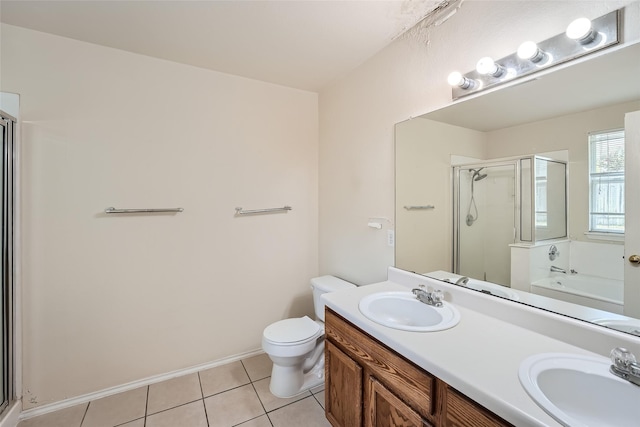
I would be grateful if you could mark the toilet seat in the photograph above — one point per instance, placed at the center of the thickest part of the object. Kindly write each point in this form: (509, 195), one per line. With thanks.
(292, 331)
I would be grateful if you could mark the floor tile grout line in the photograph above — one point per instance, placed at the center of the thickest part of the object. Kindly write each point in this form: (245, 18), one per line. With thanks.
(206, 415)
(85, 414)
(254, 388)
(174, 407)
(258, 396)
(127, 422)
(246, 371)
(200, 383)
(290, 403)
(269, 418)
(146, 407)
(224, 391)
(314, 396)
(251, 419)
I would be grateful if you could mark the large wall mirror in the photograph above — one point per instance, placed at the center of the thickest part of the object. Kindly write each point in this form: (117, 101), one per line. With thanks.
(497, 192)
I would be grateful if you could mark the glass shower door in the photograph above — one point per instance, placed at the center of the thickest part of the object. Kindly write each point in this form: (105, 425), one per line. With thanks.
(485, 221)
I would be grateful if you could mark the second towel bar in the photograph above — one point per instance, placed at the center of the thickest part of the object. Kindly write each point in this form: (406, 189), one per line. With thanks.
(114, 210)
(240, 211)
(410, 208)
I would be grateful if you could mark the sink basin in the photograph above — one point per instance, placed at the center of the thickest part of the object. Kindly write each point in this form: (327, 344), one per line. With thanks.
(401, 310)
(579, 391)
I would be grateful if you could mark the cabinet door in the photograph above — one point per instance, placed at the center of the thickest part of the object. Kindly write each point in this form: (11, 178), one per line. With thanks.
(385, 409)
(343, 388)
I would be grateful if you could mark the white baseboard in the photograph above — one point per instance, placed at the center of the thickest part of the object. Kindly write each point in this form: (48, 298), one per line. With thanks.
(67, 403)
(11, 415)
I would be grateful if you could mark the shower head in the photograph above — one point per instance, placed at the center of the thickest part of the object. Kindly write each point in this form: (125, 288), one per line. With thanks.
(477, 176)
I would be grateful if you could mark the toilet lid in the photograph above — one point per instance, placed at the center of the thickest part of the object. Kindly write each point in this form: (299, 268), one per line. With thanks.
(291, 330)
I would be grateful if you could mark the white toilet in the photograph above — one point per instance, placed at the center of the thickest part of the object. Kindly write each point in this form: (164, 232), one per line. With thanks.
(296, 346)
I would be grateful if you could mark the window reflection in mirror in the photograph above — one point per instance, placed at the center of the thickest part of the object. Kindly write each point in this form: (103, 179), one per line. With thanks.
(606, 181)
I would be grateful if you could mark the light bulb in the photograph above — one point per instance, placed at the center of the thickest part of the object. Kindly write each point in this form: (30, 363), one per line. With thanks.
(457, 79)
(581, 31)
(530, 51)
(488, 67)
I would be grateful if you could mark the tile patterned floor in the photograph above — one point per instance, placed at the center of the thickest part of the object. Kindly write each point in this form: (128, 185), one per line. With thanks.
(235, 394)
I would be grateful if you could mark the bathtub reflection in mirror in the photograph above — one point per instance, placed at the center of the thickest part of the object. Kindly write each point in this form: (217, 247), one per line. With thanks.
(475, 161)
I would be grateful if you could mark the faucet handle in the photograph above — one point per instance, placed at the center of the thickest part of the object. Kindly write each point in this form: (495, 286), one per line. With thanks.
(622, 358)
(437, 296)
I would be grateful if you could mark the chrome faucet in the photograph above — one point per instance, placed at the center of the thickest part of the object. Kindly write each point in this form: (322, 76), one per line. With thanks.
(555, 269)
(462, 281)
(624, 365)
(433, 298)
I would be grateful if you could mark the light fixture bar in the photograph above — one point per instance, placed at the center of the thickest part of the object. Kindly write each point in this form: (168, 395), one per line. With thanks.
(557, 50)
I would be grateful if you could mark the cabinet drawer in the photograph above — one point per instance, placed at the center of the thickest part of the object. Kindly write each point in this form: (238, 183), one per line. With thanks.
(463, 412)
(410, 383)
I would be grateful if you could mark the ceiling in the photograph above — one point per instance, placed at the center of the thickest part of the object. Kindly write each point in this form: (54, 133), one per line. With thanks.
(305, 44)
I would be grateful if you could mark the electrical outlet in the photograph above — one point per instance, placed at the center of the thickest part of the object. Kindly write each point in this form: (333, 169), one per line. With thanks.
(391, 238)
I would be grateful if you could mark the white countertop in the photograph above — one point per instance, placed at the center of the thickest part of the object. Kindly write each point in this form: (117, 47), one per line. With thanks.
(479, 357)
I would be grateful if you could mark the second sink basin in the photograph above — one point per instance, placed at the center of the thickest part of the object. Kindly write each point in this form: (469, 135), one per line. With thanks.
(579, 391)
(401, 310)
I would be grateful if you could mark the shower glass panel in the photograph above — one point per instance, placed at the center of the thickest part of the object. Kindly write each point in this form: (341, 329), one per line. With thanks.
(526, 200)
(550, 199)
(485, 220)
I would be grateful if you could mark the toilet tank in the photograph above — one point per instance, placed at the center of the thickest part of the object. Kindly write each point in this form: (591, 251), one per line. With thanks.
(322, 285)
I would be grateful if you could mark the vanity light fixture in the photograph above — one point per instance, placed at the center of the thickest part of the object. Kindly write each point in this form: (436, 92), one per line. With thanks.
(581, 30)
(576, 41)
(488, 67)
(457, 79)
(530, 52)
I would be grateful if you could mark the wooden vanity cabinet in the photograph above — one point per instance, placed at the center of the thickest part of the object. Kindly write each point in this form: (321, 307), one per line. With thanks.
(369, 385)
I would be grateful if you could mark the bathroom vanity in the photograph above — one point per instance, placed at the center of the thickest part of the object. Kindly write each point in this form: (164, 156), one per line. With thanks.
(369, 384)
(467, 375)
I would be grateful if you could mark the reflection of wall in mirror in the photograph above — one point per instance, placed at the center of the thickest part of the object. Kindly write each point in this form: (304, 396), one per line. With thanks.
(423, 177)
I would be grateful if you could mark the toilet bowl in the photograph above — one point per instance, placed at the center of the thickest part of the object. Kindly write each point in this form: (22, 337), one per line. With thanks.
(296, 345)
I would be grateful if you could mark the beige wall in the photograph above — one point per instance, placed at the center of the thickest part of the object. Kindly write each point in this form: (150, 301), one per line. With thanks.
(113, 299)
(408, 78)
(563, 133)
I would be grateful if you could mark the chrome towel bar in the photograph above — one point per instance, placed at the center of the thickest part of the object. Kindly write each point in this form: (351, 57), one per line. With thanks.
(114, 210)
(240, 211)
(410, 208)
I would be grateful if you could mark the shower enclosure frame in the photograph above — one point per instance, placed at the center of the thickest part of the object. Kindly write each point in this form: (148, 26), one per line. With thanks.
(516, 162)
(8, 259)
